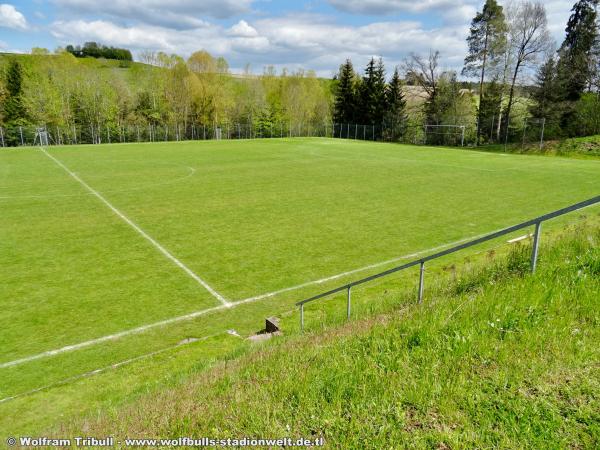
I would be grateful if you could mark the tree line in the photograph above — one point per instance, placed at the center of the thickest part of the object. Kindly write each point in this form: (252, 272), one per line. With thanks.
(515, 80)
(97, 98)
(95, 50)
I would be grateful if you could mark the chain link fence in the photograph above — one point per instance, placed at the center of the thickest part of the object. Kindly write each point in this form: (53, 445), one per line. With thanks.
(21, 136)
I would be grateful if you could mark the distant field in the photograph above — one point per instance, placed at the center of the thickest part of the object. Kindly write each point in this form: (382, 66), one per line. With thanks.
(99, 240)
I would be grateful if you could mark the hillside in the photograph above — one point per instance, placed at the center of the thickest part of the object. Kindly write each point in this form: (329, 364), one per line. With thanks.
(496, 357)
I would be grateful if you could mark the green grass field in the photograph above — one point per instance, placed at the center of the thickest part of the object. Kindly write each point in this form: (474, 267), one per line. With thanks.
(239, 220)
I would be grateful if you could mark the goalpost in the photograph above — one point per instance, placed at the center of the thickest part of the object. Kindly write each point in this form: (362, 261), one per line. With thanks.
(439, 133)
(529, 124)
(41, 137)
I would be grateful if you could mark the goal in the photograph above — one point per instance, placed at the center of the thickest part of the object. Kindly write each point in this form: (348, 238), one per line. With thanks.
(41, 137)
(444, 134)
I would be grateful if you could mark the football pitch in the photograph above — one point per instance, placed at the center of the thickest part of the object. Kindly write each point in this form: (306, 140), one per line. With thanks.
(104, 243)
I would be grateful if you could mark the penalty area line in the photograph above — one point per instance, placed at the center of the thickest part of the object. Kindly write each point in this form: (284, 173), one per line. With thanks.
(360, 269)
(141, 232)
(132, 331)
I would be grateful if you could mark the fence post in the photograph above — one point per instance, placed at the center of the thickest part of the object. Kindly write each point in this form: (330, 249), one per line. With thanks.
(21, 131)
(348, 304)
(2, 136)
(536, 243)
(302, 317)
(421, 280)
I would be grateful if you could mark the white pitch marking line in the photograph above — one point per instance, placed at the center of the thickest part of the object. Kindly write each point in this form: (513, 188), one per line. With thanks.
(361, 269)
(145, 235)
(121, 334)
(203, 312)
(105, 368)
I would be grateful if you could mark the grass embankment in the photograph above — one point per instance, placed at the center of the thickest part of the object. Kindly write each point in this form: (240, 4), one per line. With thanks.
(581, 147)
(495, 358)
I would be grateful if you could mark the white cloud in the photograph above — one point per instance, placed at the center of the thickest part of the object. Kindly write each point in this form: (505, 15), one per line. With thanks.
(11, 18)
(389, 6)
(303, 40)
(176, 14)
(242, 29)
(3, 45)
(300, 39)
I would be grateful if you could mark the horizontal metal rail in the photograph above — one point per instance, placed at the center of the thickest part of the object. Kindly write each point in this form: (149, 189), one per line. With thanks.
(421, 261)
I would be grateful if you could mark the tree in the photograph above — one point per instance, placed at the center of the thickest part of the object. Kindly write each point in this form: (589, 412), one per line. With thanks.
(487, 42)
(395, 116)
(577, 60)
(547, 97)
(490, 108)
(13, 105)
(345, 94)
(529, 38)
(202, 62)
(39, 51)
(425, 74)
(576, 51)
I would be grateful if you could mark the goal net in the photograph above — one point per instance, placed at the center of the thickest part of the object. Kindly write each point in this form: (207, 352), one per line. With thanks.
(444, 135)
(41, 137)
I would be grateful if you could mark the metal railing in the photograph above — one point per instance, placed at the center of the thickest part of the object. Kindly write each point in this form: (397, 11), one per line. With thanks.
(421, 261)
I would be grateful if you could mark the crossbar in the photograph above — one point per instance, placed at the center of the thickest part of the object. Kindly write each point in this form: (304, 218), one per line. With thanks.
(421, 261)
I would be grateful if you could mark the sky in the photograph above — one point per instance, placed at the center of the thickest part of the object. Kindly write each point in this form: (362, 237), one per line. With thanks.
(308, 34)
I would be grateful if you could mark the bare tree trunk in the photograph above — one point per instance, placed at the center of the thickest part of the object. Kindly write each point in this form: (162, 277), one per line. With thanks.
(510, 99)
(481, 86)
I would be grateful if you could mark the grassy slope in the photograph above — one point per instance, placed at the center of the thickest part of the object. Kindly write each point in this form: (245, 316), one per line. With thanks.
(498, 358)
(581, 147)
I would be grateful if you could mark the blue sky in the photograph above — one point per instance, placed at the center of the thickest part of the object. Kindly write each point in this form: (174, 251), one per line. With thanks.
(316, 35)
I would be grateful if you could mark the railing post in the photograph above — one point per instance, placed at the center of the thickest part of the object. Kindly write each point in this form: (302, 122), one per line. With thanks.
(348, 304)
(536, 243)
(421, 280)
(302, 317)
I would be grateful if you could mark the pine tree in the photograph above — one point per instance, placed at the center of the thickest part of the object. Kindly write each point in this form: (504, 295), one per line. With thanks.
(395, 117)
(372, 106)
(576, 50)
(367, 94)
(379, 106)
(13, 106)
(487, 42)
(546, 97)
(490, 109)
(345, 95)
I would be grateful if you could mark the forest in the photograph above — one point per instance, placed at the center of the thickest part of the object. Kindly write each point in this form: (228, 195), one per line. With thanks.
(96, 100)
